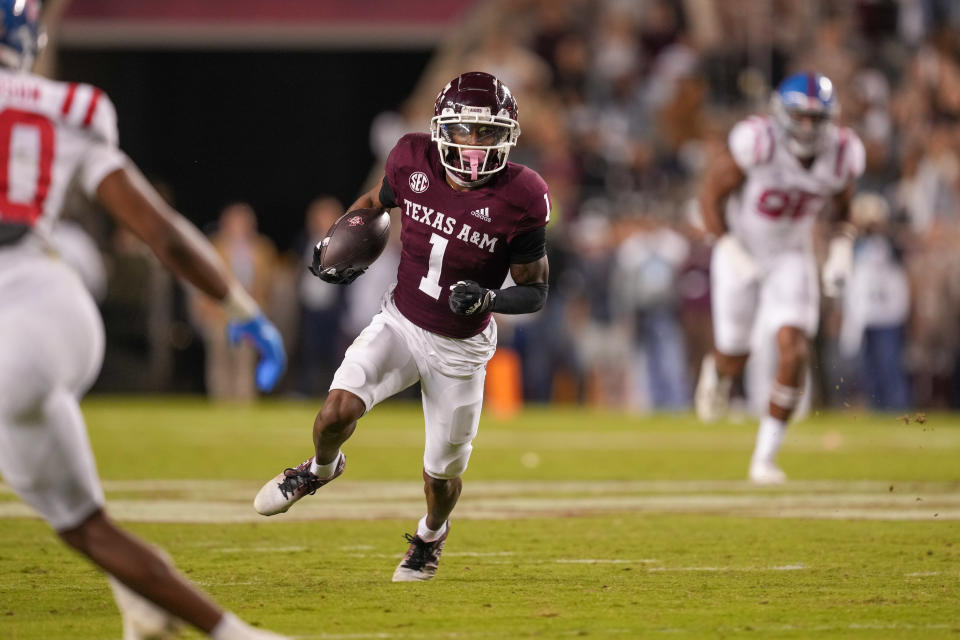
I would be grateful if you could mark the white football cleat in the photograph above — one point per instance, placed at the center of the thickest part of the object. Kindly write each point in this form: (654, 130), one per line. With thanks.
(143, 620)
(766, 473)
(712, 397)
(286, 488)
(422, 558)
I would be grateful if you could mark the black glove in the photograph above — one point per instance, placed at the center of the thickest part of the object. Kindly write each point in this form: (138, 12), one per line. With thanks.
(330, 274)
(467, 298)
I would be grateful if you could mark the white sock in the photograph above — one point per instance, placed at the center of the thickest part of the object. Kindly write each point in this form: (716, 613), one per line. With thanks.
(230, 627)
(429, 535)
(769, 437)
(324, 470)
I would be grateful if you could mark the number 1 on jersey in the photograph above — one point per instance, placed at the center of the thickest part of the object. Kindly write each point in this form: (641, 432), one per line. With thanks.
(430, 284)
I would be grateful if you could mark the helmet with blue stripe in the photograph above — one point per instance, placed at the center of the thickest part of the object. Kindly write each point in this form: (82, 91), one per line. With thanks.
(804, 104)
(21, 35)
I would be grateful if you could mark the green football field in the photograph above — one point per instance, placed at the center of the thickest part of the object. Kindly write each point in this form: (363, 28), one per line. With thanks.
(572, 523)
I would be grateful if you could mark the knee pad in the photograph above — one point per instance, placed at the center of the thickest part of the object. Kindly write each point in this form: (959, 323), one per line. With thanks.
(449, 464)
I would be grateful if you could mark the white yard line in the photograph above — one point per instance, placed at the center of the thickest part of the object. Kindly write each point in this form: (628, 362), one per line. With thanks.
(225, 489)
(665, 631)
(789, 567)
(214, 501)
(259, 549)
(605, 561)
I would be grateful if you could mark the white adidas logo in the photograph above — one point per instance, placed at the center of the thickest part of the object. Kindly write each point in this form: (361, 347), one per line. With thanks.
(483, 214)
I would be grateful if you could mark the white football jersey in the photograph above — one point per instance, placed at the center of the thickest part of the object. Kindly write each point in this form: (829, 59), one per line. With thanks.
(773, 211)
(52, 134)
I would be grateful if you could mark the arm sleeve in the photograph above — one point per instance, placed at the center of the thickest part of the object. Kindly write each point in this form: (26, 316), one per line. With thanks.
(522, 298)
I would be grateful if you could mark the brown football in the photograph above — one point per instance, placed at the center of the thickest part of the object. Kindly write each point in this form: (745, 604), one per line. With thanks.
(356, 239)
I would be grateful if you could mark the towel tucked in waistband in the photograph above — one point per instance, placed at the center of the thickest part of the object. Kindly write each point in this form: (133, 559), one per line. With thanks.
(12, 232)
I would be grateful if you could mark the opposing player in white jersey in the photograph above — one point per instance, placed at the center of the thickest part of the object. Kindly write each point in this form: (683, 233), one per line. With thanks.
(53, 136)
(777, 175)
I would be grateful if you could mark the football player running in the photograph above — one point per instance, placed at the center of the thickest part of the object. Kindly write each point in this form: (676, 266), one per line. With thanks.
(53, 135)
(468, 218)
(760, 198)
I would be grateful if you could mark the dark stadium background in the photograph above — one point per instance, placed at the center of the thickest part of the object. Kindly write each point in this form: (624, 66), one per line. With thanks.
(274, 128)
(622, 103)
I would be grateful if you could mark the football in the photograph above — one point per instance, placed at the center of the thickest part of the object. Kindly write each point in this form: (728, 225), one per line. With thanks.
(356, 239)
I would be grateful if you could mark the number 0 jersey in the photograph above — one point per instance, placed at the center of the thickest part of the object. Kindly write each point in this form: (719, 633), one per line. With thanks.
(773, 211)
(52, 134)
(450, 235)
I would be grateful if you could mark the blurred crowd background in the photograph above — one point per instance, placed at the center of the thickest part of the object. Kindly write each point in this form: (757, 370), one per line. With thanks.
(622, 105)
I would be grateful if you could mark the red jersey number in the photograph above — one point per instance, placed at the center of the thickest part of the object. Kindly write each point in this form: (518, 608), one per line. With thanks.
(794, 204)
(26, 161)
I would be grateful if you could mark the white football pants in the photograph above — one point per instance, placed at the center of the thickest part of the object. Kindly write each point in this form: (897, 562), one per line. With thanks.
(392, 354)
(51, 349)
(786, 294)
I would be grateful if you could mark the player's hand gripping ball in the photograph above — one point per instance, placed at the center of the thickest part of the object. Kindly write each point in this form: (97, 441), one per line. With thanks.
(467, 298)
(351, 245)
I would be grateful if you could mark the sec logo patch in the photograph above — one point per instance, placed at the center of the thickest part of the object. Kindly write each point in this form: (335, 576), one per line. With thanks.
(419, 182)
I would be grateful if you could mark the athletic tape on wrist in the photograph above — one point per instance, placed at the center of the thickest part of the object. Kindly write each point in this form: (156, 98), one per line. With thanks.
(784, 396)
(238, 304)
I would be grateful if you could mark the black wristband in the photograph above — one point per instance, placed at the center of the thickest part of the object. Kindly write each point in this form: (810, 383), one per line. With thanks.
(523, 298)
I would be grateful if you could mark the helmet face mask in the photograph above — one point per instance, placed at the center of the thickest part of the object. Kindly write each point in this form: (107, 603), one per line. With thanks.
(804, 105)
(474, 126)
(21, 36)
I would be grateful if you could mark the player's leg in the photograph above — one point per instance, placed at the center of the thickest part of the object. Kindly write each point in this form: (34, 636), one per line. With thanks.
(733, 301)
(51, 346)
(376, 366)
(451, 408)
(442, 495)
(791, 296)
(152, 595)
(785, 394)
(335, 423)
(71, 501)
(145, 572)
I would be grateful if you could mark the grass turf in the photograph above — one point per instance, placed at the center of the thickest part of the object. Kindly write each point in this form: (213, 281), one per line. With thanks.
(620, 574)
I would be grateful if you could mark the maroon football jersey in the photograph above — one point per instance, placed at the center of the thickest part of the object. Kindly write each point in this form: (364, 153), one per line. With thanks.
(449, 235)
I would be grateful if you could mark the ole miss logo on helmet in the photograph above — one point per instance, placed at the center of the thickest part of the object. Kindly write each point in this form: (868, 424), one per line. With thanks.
(419, 182)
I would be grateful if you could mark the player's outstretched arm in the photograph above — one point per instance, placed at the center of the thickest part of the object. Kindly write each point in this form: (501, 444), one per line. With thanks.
(723, 176)
(185, 251)
(178, 244)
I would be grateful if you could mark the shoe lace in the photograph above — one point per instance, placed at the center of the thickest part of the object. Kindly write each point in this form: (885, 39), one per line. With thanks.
(421, 552)
(296, 478)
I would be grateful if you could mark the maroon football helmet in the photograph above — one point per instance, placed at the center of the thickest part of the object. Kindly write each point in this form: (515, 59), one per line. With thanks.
(474, 126)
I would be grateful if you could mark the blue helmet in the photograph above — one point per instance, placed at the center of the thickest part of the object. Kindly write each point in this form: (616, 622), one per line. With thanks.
(804, 104)
(20, 33)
